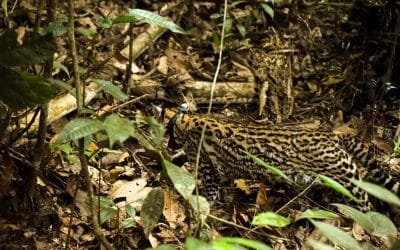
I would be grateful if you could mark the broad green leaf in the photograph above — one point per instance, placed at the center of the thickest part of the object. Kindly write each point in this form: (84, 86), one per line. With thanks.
(152, 18)
(127, 223)
(382, 225)
(157, 129)
(138, 135)
(152, 209)
(164, 247)
(182, 180)
(40, 90)
(60, 66)
(200, 205)
(79, 128)
(103, 201)
(270, 168)
(107, 213)
(268, 9)
(4, 6)
(228, 25)
(235, 3)
(337, 236)
(130, 210)
(62, 85)
(337, 187)
(57, 29)
(32, 52)
(125, 19)
(270, 219)
(195, 244)
(319, 245)
(105, 22)
(118, 128)
(222, 245)
(241, 29)
(317, 214)
(111, 89)
(362, 219)
(88, 33)
(378, 191)
(22, 90)
(250, 244)
(216, 15)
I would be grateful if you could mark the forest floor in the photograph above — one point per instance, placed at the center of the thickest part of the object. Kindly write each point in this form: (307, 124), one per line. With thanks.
(319, 63)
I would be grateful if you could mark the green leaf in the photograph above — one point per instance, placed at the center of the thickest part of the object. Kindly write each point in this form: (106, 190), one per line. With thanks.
(216, 15)
(319, 245)
(251, 244)
(317, 214)
(228, 25)
(362, 219)
(138, 135)
(268, 9)
(60, 66)
(270, 168)
(88, 33)
(79, 128)
(378, 191)
(40, 90)
(152, 209)
(125, 19)
(127, 223)
(57, 29)
(105, 22)
(111, 89)
(270, 219)
(199, 205)
(337, 187)
(32, 52)
(183, 181)
(195, 244)
(62, 85)
(130, 210)
(118, 128)
(157, 129)
(4, 6)
(382, 225)
(103, 201)
(154, 19)
(164, 247)
(107, 213)
(22, 90)
(241, 29)
(337, 236)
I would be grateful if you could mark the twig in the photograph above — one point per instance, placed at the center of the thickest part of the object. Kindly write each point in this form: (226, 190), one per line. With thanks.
(199, 147)
(80, 96)
(297, 196)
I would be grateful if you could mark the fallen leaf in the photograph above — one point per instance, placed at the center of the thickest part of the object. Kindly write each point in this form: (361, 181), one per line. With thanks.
(173, 211)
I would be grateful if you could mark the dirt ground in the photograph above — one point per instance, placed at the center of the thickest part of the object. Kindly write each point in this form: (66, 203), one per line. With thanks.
(330, 65)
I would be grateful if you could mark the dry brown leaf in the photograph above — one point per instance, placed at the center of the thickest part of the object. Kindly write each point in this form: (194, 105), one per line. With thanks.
(162, 66)
(241, 184)
(359, 233)
(173, 211)
(345, 129)
(133, 191)
(153, 241)
(262, 199)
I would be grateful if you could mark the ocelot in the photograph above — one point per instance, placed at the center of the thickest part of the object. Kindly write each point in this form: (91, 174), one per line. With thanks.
(294, 151)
